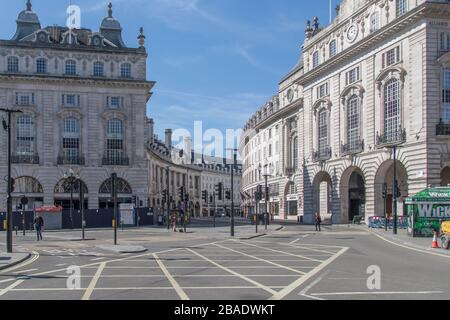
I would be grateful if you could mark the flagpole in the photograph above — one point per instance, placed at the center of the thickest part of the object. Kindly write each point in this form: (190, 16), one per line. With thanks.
(330, 11)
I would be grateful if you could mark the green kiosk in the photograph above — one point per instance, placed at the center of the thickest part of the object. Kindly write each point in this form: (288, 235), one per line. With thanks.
(426, 210)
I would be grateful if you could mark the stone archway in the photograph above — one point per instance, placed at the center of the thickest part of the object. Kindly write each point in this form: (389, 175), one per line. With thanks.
(353, 194)
(322, 193)
(445, 177)
(385, 174)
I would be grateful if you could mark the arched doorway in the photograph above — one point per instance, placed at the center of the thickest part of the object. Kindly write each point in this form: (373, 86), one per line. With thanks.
(322, 194)
(291, 201)
(64, 188)
(445, 177)
(29, 187)
(385, 175)
(124, 193)
(353, 194)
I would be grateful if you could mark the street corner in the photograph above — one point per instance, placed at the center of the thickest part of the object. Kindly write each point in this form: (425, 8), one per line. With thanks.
(8, 260)
(122, 249)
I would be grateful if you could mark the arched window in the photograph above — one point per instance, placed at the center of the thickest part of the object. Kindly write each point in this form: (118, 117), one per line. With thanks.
(26, 185)
(114, 140)
(98, 69)
(71, 140)
(68, 186)
(123, 187)
(333, 48)
(392, 124)
(294, 153)
(71, 67)
(374, 21)
(323, 132)
(353, 122)
(41, 65)
(125, 70)
(25, 135)
(13, 64)
(445, 113)
(401, 7)
(315, 59)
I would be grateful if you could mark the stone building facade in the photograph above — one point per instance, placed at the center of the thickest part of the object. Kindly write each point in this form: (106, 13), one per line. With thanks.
(375, 79)
(83, 95)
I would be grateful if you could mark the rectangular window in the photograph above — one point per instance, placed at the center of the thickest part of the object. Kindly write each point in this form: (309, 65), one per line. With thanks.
(374, 22)
(402, 7)
(333, 48)
(114, 102)
(315, 59)
(322, 91)
(24, 99)
(98, 69)
(41, 65)
(352, 76)
(446, 97)
(391, 57)
(70, 100)
(13, 64)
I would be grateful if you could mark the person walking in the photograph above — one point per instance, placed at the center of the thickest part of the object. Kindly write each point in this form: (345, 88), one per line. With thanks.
(318, 221)
(38, 225)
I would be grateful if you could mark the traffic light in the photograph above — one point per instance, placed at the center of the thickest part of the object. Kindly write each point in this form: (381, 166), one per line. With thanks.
(258, 193)
(219, 190)
(398, 193)
(134, 201)
(13, 187)
(205, 195)
(181, 193)
(384, 190)
(228, 195)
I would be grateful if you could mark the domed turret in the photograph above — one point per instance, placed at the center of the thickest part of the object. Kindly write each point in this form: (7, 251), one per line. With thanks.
(111, 29)
(27, 23)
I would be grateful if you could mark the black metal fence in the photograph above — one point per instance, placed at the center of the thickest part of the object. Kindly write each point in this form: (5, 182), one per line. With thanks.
(101, 218)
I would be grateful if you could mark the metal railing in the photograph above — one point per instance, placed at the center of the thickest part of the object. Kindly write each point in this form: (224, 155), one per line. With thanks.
(352, 148)
(63, 160)
(391, 138)
(322, 155)
(25, 159)
(115, 161)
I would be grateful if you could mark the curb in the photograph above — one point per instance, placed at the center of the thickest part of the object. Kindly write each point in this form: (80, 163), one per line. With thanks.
(262, 234)
(16, 262)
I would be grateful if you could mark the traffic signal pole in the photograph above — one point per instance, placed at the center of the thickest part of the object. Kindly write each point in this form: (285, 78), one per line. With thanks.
(9, 228)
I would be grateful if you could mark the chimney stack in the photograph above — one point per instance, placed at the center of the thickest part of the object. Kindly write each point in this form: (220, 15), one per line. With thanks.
(168, 140)
(151, 130)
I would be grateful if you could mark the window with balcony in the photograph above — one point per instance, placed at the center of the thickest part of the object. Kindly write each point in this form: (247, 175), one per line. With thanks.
(71, 142)
(443, 128)
(125, 70)
(323, 149)
(13, 64)
(71, 67)
(392, 104)
(25, 135)
(114, 142)
(98, 69)
(401, 7)
(41, 65)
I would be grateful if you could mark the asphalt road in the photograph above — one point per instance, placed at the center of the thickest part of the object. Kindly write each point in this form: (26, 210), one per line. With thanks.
(294, 263)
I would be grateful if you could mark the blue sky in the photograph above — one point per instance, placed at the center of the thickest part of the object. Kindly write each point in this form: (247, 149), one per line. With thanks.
(214, 60)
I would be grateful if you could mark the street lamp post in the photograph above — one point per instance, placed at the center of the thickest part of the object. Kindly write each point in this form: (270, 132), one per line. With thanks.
(168, 196)
(395, 189)
(233, 165)
(7, 127)
(71, 176)
(266, 175)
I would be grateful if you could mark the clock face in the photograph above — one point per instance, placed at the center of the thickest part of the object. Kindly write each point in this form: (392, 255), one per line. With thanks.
(96, 41)
(352, 33)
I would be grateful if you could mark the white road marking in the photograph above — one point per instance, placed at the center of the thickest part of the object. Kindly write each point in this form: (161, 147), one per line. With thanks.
(97, 259)
(61, 264)
(94, 281)
(142, 288)
(263, 260)
(23, 264)
(310, 249)
(305, 236)
(10, 287)
(24, 271)
(283, 293)
(234, 272)
(311, 285)
(294, 241)
(173, 282)
(283, 252)
(375, 293)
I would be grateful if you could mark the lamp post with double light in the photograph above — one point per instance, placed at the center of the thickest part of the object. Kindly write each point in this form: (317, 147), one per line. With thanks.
(71, 176)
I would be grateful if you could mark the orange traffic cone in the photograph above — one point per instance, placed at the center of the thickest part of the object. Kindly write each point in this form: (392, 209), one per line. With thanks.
(435, 244)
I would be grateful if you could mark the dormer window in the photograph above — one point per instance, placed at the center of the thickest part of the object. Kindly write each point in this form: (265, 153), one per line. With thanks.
(71, 67)
(125, 70)
(41, 65)
(401, 7)
(98, 69)
(13, 64)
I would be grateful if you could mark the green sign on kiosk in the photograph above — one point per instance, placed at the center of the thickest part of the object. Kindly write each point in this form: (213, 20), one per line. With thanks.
(426, 210)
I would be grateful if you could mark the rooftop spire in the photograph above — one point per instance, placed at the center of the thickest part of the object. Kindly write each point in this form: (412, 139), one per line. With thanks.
(110, 10)
(29, 5)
